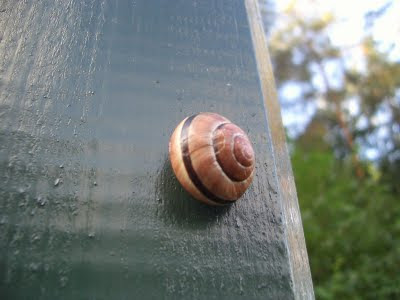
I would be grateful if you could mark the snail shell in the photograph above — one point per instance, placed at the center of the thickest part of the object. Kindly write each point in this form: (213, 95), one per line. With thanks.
(212, 158)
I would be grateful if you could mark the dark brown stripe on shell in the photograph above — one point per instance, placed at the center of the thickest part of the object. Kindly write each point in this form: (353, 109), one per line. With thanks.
(187, 161)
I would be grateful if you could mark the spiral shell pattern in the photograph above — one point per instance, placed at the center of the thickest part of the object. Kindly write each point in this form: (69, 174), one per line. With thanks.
(212, 158)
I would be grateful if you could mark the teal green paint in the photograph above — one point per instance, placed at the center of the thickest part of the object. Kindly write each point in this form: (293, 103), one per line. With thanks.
(90, 92)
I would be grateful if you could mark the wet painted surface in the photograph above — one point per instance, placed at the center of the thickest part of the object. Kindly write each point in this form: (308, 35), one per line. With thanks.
(90, 92)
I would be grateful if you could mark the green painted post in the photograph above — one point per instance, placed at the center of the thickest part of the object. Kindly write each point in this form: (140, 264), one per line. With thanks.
(90, 92)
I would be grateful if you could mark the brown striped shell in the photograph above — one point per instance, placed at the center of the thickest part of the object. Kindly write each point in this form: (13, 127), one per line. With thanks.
(212, 158)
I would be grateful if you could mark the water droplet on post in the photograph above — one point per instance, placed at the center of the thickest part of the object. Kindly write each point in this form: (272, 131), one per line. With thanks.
(41, 200)
(57, 182)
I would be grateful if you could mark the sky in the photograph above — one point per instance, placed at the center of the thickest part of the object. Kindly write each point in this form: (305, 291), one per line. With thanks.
(351, 18)
(347, 32)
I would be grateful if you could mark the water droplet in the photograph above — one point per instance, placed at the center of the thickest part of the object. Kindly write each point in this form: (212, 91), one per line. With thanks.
(35, 237)
(95, 183)
(238, 223)
(41, 200)
(3, 220)
(91, 235)
(21, 190)
(63, 281)
(57, 181)
(34, 267)
(61, 166)
(262, 286)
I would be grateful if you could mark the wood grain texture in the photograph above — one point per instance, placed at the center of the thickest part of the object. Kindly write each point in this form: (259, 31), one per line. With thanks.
(90, 92)
(299, 265)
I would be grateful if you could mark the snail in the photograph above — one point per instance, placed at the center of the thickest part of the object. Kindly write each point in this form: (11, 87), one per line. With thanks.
(212, 158)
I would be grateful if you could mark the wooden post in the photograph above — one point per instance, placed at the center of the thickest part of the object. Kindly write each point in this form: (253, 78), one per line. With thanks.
(90, 92)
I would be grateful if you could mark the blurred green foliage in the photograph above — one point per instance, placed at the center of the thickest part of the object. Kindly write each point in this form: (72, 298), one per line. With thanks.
(352, 228)
(350, 202)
